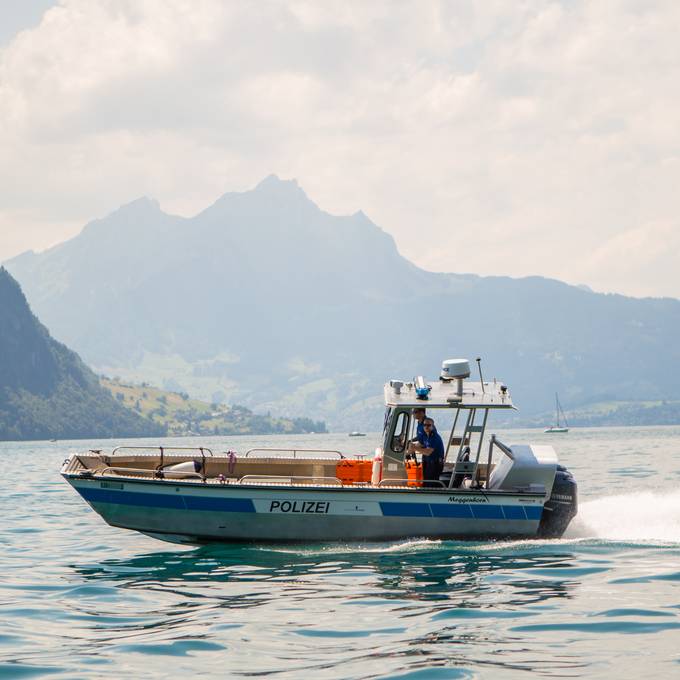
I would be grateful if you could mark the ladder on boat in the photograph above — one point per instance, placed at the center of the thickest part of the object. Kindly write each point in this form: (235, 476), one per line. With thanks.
(466, 463)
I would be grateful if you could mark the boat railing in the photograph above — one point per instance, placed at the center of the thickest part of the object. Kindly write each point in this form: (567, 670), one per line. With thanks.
(289, 479)
(393, 481)
(163, 449)
(473, 468)
(400, 481)
(293, 451)
(494, 441)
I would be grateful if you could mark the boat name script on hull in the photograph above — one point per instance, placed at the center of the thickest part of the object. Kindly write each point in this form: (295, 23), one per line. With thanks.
(471, 499)
(314, 507)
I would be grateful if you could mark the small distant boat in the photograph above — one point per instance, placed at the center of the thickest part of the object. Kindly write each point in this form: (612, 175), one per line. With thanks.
(357, 434)
(557, 428)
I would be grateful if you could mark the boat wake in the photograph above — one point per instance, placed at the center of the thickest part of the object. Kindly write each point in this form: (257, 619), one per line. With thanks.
(646, 516)
(411, 545)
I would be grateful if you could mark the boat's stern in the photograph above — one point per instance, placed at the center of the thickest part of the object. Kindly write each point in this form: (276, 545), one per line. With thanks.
(535, 468)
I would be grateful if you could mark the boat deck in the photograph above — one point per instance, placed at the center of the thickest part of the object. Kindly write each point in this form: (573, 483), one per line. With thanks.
(223, 470)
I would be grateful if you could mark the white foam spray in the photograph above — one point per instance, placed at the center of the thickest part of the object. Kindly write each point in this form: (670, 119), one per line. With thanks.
(642, 516)
(409, 545)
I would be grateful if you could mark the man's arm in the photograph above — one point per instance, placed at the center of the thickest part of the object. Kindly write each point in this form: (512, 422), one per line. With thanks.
(417, 447)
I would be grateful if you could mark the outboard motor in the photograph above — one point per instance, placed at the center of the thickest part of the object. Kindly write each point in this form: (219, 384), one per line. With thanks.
(561, 507)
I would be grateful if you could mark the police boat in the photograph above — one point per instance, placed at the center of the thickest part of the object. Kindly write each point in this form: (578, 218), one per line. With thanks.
(486, 489)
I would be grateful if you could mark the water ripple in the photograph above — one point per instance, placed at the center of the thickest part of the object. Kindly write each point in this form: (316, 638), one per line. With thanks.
(84, 600)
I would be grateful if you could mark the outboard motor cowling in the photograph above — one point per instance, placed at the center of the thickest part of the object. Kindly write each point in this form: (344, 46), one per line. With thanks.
(561, 507)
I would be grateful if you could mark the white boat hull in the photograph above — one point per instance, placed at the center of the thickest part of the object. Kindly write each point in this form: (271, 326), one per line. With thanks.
(194, 513)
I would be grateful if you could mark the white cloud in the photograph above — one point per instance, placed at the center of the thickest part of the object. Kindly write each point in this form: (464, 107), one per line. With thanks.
(530, 138)
(628, 257)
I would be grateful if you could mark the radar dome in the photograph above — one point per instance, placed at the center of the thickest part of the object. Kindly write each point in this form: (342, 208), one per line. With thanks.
(455, 368)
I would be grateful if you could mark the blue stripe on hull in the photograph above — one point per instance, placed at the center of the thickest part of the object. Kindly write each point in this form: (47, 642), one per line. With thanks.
(460, 511)
(388, 508)
(405, 509)
(533, 511)
(514, 512)
(157, 500)
(487, 511)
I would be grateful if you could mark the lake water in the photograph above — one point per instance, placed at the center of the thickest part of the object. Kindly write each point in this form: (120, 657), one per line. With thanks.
(80, 599)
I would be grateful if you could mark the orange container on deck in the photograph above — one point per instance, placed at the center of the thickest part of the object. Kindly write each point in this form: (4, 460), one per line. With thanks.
(414, 473)
(351, 471)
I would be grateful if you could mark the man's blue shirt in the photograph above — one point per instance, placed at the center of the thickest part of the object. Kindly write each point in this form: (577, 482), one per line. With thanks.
(433, 441)
(420, 430)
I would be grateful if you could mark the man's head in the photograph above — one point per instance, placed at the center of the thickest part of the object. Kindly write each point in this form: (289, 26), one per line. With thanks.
(428, 425)
(419, 414)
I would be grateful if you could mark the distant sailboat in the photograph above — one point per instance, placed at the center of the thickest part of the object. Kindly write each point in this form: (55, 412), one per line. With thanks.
(553, 429)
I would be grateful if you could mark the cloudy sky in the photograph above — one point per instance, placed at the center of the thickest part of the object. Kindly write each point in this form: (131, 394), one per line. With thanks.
(490, 137)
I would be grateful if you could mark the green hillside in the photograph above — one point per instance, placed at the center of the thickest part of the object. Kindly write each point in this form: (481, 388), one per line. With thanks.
(660, 412)
(612, 414)
(46, 391)
(184, 416)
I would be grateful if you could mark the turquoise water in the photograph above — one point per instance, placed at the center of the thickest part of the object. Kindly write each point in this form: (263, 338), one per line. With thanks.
(80, 599)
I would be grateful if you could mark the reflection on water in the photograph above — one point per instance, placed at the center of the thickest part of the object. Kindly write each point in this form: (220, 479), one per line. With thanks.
(375, 610)
(433, 600)
(428, 571)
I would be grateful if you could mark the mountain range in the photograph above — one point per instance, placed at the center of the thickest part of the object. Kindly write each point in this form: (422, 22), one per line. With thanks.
(266, 300)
